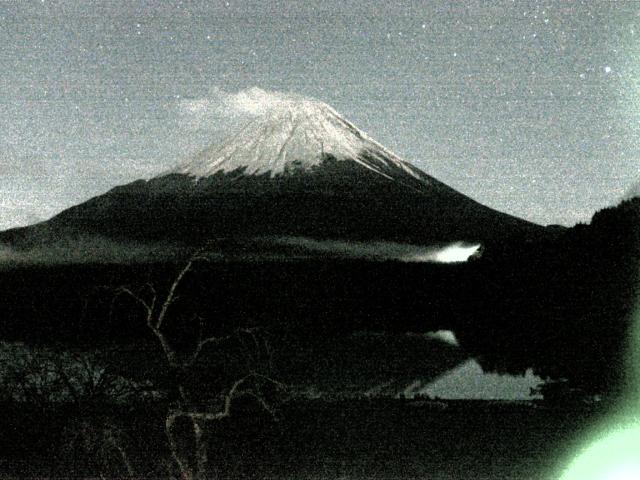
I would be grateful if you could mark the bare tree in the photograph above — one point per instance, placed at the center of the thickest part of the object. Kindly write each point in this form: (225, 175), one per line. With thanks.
(191, 462)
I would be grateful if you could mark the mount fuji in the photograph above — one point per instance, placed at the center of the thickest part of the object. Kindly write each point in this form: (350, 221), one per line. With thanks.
(299, 169)
(301, 182)
(295, 134)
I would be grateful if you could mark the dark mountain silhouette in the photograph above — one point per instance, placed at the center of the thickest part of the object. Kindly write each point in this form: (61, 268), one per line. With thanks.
(555, 299)
(301, 170)
(564, 306)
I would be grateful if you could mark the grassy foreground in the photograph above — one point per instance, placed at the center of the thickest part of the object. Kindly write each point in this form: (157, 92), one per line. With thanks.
(354, 439)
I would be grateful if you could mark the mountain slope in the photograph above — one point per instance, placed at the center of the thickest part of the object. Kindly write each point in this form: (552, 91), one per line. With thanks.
(295, 133)
(298, 170)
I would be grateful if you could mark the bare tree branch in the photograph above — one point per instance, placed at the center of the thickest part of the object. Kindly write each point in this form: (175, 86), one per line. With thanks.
(184, 409)
(113, 442)
(171, 296)
(147, 307)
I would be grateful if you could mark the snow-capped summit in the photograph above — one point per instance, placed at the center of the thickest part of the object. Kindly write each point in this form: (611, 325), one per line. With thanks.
(292, 131)
(297, 170)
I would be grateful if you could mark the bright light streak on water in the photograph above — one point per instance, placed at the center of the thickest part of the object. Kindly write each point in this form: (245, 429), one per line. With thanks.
(453, 253)
(456, 252)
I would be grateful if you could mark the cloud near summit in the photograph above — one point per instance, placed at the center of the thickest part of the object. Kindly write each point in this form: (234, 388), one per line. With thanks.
(249, 102)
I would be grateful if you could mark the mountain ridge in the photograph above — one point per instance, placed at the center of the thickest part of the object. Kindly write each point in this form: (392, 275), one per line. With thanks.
(303, 131)
(300, 170)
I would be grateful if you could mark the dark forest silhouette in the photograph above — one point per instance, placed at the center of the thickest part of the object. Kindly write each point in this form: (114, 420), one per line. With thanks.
(560, 304)
(171, 370)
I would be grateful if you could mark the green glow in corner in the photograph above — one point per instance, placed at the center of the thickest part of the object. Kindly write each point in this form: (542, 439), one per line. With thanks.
(616, 456)
(614, 453)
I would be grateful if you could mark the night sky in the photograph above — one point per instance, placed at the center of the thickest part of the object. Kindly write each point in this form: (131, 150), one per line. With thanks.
(532, 108)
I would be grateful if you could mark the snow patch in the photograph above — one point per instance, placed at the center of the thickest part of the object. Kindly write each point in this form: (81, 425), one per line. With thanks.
(286, 128)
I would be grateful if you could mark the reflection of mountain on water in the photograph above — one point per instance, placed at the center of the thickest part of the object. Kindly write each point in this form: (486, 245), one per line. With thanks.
(469, 381)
